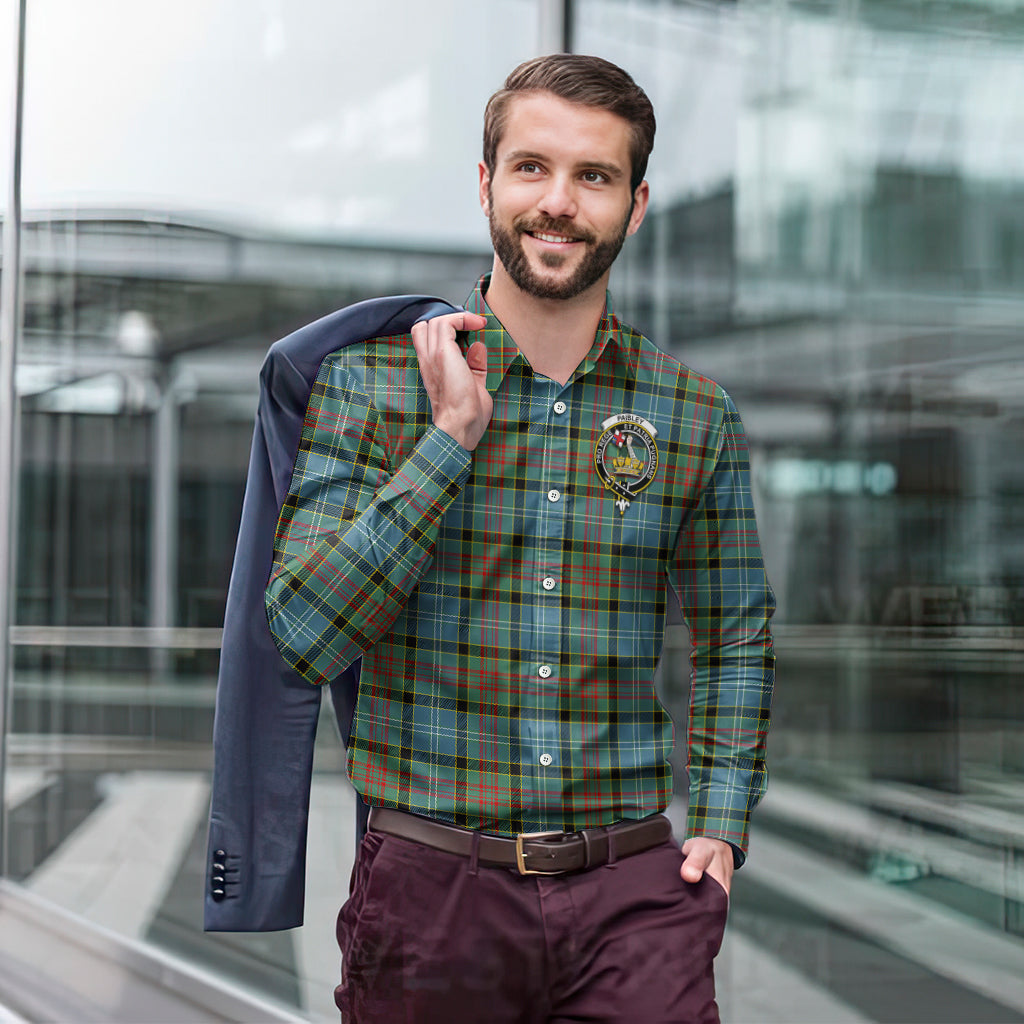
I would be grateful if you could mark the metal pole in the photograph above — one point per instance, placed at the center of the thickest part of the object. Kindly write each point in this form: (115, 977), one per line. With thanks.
(553, 24)
(10, 319)
(163, 547)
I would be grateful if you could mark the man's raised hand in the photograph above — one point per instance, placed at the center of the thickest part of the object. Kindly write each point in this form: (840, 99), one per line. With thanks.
(456, 384)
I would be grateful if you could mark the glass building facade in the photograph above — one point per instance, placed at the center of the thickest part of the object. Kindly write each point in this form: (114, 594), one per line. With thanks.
(836, 235)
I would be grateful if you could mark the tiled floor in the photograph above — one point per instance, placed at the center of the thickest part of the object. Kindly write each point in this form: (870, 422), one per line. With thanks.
(811, 940)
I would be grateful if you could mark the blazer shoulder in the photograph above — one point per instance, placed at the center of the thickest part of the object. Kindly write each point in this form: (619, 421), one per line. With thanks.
(372, 318)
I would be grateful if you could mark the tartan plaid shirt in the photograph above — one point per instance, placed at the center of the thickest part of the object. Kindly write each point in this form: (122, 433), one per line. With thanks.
(510, 619)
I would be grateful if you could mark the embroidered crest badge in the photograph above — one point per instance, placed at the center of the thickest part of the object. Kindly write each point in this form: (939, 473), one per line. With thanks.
(626, 456)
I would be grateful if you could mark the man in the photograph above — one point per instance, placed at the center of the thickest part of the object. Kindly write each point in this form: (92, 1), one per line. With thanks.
(490, 517)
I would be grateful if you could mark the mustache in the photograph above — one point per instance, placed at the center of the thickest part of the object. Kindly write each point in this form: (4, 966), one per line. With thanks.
(552, 226)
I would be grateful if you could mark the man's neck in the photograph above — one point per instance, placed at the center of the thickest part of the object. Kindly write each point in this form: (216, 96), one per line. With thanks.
(554, 335)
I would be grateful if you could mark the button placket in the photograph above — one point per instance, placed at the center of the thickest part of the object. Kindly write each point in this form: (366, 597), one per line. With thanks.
(550, 510)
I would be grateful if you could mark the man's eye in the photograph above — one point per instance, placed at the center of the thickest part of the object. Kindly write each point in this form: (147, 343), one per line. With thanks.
(593, 177)
(529, 168)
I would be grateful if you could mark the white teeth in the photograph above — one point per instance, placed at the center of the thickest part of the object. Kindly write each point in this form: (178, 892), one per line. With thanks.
(551, 238)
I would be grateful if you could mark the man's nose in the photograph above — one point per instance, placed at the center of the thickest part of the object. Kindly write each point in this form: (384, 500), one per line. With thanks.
(559, 199)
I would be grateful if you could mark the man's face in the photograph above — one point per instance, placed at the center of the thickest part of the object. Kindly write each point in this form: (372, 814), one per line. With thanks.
(559, 202)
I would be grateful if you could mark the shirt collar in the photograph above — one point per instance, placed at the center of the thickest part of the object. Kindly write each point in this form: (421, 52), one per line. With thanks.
(502, 351)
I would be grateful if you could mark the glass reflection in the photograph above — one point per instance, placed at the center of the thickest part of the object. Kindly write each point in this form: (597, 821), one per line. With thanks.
(258, 172)
(854, 280)
(836, 237)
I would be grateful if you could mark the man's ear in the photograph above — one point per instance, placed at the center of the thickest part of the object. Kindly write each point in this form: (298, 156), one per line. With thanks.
(485, 185)
(641, 197)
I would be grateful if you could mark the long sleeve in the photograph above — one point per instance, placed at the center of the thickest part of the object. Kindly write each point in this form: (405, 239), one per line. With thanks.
(725, 597)
(355, 534)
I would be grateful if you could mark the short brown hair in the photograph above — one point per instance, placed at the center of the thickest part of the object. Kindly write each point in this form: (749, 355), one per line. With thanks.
(577, 78)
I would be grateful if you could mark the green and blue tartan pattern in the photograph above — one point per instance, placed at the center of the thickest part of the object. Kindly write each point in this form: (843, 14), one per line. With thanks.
(509, 618)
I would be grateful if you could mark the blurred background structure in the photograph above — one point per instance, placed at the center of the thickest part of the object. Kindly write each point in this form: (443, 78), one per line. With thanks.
(836, 236)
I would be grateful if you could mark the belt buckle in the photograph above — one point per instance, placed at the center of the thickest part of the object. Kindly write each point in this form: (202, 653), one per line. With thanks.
(521, 856)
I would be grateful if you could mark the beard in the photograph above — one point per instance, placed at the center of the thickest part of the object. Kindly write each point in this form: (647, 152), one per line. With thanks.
(599, 255)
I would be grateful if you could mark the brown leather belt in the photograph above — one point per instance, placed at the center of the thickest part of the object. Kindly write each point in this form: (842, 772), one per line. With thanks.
(530, 853)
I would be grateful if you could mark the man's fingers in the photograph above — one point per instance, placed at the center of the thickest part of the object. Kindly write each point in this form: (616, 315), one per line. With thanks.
(419, 336)
(472, 321)
(449, 323)
(455, 384)
(431, 338)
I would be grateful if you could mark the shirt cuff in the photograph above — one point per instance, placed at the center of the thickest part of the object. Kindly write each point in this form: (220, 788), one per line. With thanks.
(721, 813)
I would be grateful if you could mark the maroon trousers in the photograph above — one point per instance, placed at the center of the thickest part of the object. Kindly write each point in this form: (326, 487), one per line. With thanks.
(432, 938)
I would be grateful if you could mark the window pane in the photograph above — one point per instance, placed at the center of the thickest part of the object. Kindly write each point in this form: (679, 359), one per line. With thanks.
(836, 237)
(200, 179)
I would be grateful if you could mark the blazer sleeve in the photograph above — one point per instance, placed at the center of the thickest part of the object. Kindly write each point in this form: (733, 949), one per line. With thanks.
(266, 713)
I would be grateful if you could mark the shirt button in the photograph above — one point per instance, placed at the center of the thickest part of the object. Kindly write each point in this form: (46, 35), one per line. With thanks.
(546, 759)
(554, 495)
(544, 671)
(549, 583)
(559, 408)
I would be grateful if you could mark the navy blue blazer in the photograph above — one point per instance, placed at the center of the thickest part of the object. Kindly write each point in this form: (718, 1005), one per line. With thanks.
(266, 713)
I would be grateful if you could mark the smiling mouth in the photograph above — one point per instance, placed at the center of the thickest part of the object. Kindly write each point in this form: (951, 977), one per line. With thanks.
(545, 236)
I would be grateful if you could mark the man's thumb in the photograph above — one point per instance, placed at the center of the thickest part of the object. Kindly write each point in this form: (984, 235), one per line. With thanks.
(477, 357)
